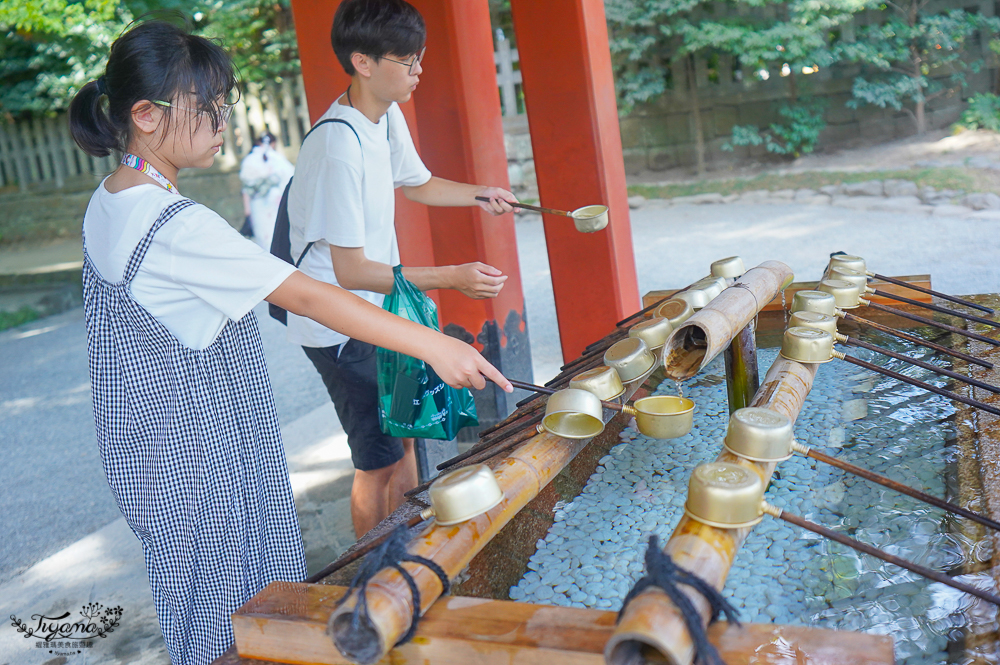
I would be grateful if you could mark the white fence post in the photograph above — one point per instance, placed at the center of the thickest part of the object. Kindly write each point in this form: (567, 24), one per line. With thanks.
(507, 78)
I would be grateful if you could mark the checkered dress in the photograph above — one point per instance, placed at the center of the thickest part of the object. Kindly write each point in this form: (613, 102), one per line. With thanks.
(193, 454)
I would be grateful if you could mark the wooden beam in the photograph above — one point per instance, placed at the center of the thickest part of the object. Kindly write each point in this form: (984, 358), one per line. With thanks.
(286, 623)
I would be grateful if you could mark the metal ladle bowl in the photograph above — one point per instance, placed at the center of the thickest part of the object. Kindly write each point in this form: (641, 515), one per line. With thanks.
(807, 345)
(760, 435)
(730, 268)
(712, 285)
(462, 494)
(676, 311)
(814, 301)
(590, 219)
(654, 332)
(858, 279)
(848, 261)
(845, 294)
(697, 298)
(631, 358)
(662, 416)
(724, 495)
(573, 414)
(815, 320)
(604, 382)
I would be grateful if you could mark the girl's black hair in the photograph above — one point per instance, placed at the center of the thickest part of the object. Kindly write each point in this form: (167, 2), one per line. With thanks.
(153, 61)
(376, 28)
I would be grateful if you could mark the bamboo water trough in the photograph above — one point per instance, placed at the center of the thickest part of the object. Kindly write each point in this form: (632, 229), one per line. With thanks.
(298, 623)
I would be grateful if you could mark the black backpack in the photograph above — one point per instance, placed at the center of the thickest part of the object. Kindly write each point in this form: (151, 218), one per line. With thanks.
(281, 244)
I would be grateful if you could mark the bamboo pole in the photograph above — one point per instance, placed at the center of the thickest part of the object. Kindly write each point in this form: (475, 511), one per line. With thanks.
(521, 476)
(742, 379)
(286, 622)
(651, 624)
(706, 334)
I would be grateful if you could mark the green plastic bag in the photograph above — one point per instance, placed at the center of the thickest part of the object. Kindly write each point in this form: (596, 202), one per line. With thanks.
(412, 400)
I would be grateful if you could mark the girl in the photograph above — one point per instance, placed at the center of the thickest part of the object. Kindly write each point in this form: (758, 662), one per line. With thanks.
(184, 412)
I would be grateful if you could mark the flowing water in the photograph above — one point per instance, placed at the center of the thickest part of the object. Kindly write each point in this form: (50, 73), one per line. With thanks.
(593, 553)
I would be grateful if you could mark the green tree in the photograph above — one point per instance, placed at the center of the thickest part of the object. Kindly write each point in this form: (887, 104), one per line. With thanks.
(50, 48)
(765, 38)
(913, 57)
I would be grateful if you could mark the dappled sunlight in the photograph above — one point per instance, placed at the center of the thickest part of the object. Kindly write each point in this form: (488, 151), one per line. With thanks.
(76, 395)
(97, 557)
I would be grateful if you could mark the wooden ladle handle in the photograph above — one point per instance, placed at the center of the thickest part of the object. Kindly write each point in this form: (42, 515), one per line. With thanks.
(551, 211)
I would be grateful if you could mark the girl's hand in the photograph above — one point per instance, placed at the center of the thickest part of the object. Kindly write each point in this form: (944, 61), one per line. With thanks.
(500, 200)
(460, 365)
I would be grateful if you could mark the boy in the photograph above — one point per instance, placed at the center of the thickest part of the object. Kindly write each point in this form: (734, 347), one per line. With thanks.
(342, 199)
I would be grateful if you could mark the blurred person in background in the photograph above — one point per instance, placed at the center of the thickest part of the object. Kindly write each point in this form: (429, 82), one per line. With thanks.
(264, 174)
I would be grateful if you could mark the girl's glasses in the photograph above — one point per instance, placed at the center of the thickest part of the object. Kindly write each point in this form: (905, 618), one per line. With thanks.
(412, 64)
(225, 110)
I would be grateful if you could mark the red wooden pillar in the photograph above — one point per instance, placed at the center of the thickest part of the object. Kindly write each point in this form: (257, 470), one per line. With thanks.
(461, 131)
(455, 111)
(569, 93)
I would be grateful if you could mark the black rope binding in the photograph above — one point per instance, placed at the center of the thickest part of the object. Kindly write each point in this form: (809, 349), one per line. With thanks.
(662, 572)
(390, 554)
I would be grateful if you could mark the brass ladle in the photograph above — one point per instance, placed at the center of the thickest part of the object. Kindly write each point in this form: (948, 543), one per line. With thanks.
(588, 219)
(819, 301)
(730, 496)
(858, 263)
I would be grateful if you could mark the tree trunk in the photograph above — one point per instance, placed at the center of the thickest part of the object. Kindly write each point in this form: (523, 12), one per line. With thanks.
(699, 134)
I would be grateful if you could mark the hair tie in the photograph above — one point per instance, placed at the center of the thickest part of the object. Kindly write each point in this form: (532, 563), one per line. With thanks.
(102, 85)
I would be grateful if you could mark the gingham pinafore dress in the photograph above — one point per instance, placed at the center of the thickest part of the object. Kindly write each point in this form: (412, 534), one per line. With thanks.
(192, 451)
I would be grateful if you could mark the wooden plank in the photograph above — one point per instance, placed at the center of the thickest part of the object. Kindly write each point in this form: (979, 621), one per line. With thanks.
(795, 287)
(286, 623)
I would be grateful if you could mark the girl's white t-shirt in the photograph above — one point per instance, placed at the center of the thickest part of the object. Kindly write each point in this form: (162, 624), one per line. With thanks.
(198, 272)
(342, 194)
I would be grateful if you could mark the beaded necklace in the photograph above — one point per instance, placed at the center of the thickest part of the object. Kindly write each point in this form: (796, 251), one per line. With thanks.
(142, 166)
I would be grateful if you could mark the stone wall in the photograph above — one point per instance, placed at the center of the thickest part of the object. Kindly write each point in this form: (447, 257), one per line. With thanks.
(56, 213)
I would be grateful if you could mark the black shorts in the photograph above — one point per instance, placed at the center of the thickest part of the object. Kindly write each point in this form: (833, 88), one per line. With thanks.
(351, 381)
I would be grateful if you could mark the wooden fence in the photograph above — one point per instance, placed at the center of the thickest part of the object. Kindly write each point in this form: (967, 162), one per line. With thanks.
(38, 153)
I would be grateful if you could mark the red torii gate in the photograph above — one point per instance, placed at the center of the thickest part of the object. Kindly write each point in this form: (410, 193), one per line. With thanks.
(456, 122)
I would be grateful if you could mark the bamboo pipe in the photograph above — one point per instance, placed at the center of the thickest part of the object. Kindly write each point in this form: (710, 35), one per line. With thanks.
(844, 339)
(521, 477)
(847, 316)
(934, 308)
(931, 322)
(916, 382)
(930, 292)
(895, 485)
(876, 552)
(651, 622)
(706, 334)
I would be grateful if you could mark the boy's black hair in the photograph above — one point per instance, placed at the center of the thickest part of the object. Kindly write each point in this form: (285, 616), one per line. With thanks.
(152, 60)
(376, 28)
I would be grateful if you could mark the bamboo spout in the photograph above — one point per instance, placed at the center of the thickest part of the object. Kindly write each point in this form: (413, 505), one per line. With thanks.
(651, 622)
(706, 334)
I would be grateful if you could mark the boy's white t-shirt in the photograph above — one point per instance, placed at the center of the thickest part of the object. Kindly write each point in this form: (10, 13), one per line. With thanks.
(198, 272)
(342, 195)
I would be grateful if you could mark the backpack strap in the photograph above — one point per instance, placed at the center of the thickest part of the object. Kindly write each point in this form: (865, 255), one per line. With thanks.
(353, 131)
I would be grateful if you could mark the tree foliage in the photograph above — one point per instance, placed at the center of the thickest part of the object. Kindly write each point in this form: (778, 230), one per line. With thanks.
(912, 56)
(50, 48)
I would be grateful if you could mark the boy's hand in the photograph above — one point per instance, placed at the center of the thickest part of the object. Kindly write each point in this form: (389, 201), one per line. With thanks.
(500, 200)
(478, 280)
(460, 366)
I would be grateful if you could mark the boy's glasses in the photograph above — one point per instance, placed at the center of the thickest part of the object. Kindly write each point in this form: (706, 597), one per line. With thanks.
(412, 64)
(225, 110)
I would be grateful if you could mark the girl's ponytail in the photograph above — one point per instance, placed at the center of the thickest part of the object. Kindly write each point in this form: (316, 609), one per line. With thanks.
(89, 123)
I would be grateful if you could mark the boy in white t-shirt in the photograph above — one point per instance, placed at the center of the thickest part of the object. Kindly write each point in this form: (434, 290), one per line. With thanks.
(342, 199)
